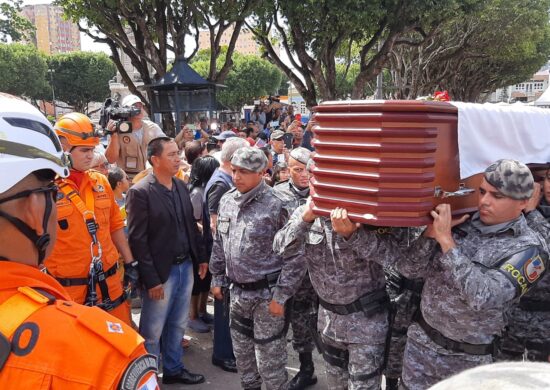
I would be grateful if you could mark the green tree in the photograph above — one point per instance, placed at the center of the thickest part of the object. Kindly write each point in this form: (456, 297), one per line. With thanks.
(13, 26)
(502, 43)
(81, 77)
(23, 71)
(147, 31)
(249, 78)
(312, 34)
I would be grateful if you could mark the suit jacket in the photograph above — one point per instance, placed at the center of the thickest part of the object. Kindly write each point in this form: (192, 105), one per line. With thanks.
(151, 224)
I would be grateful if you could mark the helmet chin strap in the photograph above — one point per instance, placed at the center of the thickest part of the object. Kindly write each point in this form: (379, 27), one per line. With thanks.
(42, 241)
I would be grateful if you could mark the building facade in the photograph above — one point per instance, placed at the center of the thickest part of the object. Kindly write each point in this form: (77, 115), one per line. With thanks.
(54, 34)
(525, 92)
(246, 44)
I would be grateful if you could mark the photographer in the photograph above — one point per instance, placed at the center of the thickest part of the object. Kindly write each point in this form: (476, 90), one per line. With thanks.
(129, 150)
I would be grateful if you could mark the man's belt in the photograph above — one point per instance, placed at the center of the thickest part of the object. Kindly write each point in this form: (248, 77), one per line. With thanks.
(268, 281)
(252, 286)
(68, 282)
(370, 303)
(533, 305)
(180, 259)
(452, 345)
(538, 346)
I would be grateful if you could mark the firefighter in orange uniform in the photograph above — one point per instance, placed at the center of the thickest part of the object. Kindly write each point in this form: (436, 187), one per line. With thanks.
(90, 229)
(48, 341)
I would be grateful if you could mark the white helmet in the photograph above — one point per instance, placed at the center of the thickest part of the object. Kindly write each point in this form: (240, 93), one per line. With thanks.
(27, 143)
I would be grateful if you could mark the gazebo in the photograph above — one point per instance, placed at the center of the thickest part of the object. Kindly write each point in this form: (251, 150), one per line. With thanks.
(182, 90)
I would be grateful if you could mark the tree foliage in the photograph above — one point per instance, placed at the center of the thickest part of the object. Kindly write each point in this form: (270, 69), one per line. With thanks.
(503, 42)
(23, 71)
(312, 33)
(149, 30)
(81, 77)
(250, 78)
(13, 26)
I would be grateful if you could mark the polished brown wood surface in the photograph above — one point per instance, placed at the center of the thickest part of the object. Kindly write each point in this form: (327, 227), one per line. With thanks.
(385, 161)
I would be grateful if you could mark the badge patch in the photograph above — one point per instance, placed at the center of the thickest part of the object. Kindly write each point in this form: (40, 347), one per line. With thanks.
(223, 225)
(114, 327)
(140, 374)
(534, 268)
(99, 188)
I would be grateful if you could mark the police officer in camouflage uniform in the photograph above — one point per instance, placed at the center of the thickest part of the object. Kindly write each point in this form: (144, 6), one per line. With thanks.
(248, 218)
(405, 296)
(353, 312)
(304, 303)
(473, 274)
(528, 333)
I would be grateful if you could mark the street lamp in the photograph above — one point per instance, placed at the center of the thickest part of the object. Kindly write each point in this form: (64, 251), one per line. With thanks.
(51, 72)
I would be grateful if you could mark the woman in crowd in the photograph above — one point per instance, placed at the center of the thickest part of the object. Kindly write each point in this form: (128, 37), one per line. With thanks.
(201, 171)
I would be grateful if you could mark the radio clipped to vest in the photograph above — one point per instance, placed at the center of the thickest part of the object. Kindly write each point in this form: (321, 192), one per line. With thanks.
(96, 274)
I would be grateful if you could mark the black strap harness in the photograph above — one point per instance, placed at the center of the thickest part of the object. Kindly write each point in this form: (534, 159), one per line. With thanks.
(68, 282)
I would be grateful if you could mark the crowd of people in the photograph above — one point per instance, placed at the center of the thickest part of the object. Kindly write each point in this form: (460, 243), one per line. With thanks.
(226, 211)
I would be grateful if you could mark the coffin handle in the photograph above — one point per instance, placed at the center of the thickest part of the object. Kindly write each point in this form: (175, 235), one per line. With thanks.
(462, 191)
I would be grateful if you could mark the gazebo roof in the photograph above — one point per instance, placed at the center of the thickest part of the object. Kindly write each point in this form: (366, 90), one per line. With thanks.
(183, 77)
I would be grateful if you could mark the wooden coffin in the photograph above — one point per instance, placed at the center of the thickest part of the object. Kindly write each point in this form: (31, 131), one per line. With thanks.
(388, 162)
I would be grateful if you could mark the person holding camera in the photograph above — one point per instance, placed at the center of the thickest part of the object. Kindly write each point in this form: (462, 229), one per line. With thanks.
(129, 150)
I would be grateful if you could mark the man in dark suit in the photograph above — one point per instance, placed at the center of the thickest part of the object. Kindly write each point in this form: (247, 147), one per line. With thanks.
(165, 241)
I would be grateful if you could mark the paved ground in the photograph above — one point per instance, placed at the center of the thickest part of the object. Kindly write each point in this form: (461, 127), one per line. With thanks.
(197, 359)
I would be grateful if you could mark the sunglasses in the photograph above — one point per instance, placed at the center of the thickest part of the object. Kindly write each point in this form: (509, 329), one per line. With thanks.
(52, 188)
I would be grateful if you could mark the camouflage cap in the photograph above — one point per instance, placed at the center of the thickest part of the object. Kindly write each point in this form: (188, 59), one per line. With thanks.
(310, 165)
(512, 178)
(301, 155)
(252, 159)
(277, 135)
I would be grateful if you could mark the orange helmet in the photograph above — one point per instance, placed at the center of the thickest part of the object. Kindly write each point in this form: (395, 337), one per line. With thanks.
(77, 129)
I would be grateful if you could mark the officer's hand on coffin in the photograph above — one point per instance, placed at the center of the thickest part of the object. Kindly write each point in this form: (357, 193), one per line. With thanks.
(217, 293)
(535, 198)
(441, 227)
(276, 309)
(307, 215)
(341, 223)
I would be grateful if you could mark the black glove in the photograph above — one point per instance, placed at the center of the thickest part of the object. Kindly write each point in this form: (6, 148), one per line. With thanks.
(131, 275)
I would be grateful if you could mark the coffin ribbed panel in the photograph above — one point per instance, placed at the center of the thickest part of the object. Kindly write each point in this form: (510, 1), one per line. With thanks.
(382, 160)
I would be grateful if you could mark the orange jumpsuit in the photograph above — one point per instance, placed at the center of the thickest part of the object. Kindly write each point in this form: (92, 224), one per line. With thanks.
(66, 345)
(71, 256)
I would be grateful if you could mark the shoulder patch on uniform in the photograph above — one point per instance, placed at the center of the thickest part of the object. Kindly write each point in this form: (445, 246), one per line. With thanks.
(121, 336)
(140, 374)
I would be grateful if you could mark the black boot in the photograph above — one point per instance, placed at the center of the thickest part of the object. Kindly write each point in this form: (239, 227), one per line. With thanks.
(305, 376)
(392, 383)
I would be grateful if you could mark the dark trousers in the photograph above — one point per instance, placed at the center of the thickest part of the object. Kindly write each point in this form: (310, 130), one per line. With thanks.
(223, 348)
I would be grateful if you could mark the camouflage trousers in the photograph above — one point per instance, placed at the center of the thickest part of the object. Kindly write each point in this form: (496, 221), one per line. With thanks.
(364, 359)
(404, 308)
(425, 363)
(305, 308)
(259, 362)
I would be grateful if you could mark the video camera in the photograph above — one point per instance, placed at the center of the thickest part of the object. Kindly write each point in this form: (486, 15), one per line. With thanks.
(112, 110)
